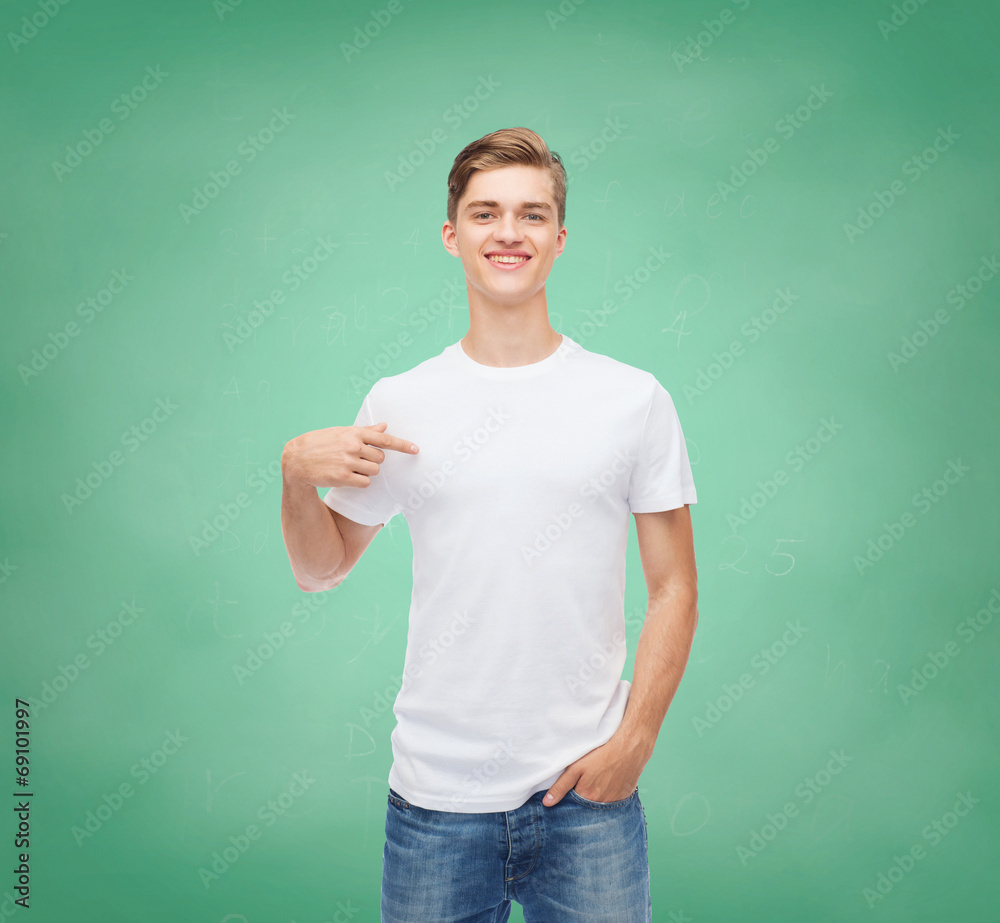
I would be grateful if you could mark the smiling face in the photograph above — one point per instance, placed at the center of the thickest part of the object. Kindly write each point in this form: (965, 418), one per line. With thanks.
(506, 234)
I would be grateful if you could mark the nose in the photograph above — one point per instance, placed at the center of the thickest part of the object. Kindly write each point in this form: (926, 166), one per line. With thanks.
(506, 229)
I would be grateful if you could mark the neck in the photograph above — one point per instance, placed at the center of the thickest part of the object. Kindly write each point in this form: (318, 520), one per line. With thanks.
(505, 342)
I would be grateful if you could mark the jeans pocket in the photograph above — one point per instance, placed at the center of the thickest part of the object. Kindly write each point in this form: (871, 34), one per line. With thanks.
(601, 804)
(398, 800)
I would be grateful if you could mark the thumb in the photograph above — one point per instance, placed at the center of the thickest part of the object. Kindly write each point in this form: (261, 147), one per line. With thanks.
(562, 785)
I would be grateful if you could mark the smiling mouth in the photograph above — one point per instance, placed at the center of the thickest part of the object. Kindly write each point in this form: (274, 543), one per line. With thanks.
(508, 261)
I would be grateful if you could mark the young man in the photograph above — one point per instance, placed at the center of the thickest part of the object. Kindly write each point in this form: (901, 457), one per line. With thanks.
(518, 746)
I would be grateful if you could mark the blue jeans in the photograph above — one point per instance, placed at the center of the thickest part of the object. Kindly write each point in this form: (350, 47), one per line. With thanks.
(577, 861)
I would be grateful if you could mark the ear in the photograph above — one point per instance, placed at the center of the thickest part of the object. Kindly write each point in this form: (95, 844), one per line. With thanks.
(561, 240)
(450, 239)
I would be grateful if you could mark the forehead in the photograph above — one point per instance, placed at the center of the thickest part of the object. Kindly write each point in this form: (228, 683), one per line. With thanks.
(510, 186)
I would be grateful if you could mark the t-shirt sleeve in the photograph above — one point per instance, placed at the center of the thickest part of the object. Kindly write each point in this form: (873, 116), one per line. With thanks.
(371, 505)
(661, 476)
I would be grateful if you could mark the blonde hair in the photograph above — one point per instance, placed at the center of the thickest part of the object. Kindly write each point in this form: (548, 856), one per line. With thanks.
(504, 148)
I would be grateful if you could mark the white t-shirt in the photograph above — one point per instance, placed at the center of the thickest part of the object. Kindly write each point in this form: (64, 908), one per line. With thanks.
(518, 506)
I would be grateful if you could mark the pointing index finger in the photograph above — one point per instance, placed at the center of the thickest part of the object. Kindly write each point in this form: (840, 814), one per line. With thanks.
(388, 441)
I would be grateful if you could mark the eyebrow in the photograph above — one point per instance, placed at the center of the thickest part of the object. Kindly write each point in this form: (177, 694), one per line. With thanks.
(489, 203)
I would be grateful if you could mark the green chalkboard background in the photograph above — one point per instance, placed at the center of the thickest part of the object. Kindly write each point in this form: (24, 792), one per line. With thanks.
(168, 167)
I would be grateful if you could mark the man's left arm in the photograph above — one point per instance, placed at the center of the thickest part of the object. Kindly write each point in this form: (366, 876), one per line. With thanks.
(666, 546)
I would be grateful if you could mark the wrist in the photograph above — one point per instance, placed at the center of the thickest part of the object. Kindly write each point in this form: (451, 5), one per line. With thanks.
(289, 468)
(637, 743)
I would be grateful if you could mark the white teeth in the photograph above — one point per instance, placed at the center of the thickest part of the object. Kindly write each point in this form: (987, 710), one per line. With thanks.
(507, 259)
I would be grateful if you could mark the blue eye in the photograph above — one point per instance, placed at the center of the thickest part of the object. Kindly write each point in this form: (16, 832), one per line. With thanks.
(490, 214)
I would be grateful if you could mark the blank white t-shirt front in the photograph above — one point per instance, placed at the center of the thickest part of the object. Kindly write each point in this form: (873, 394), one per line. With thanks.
(518, 506)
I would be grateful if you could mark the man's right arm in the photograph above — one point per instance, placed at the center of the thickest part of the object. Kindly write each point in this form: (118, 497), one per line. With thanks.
(323, 545)
(315, 544)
